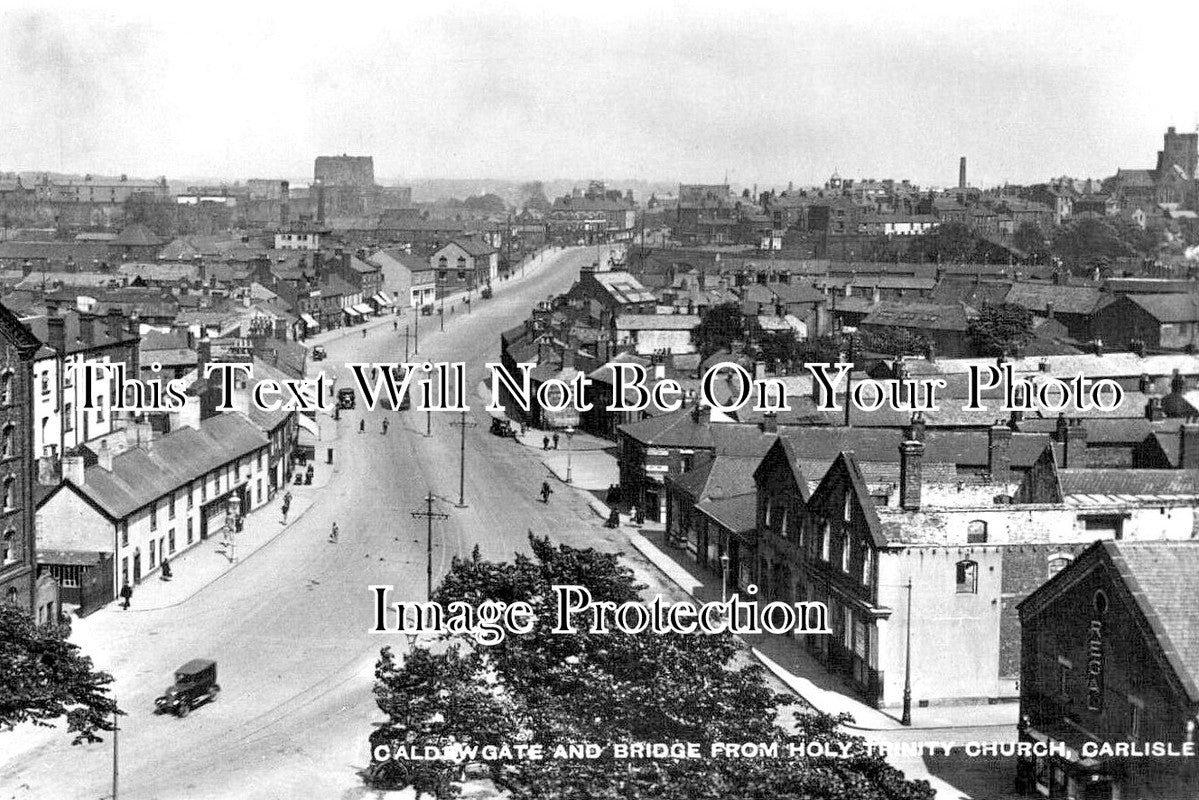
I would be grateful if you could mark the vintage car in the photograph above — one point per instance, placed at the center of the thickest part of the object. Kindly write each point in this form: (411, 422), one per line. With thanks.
(195, 684)
(345, 398)
(319, 354)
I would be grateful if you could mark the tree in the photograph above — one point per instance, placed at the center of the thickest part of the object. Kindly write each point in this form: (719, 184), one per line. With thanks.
(1000, 329)
(43, 677)
(894, 342)
(720, 327)
(553, 689)
(1031, 239)
(532, 196)
(486, 203)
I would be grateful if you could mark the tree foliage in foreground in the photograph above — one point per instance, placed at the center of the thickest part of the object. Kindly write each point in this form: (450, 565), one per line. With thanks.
(1000, 329)
(575, 688)
(43, 678)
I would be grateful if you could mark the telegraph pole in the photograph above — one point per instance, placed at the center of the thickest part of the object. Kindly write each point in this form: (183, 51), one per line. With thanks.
(429, 515)
(406, 327)
(907, 664)
(116, 726)
(462, 425)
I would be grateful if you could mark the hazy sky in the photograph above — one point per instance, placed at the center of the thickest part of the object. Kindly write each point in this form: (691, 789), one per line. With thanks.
(763, 92)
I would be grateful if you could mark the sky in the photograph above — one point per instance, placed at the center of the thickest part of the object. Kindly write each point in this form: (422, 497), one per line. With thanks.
(762, 93)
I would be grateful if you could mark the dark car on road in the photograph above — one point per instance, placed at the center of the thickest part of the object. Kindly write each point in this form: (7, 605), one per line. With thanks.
(195, 684)
(319, 354)
(345, 398)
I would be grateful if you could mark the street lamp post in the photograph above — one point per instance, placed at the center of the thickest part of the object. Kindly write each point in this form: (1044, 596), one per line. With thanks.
(907, 664)
(570, 433)
(416, 332)
(463, 424)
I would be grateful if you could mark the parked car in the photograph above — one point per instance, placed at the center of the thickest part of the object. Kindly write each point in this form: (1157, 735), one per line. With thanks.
(319, 354)
(195, 684)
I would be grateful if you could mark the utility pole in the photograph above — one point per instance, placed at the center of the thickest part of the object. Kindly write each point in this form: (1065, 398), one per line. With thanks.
(907, 664)
(462, 425)
(406, 328)
(429, 515)
(116, 726)
(416, 332)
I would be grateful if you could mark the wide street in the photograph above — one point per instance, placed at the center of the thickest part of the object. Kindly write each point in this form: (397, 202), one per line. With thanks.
(288, 626)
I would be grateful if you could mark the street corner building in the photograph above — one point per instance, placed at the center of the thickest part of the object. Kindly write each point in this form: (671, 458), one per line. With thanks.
(1110, 655)
(19, 584)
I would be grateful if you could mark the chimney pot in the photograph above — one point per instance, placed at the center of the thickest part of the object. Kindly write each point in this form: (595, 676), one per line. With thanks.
(911, 457)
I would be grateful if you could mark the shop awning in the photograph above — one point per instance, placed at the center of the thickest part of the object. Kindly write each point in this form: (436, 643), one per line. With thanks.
(309, 321)
(351, 312)
(381, 299)
(363, 308)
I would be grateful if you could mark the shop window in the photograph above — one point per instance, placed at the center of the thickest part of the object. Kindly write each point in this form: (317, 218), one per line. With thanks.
(976, 532)
(967, 577)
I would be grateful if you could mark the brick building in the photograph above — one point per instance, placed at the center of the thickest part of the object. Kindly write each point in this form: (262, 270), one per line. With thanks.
(1110, 653)
(18, 550)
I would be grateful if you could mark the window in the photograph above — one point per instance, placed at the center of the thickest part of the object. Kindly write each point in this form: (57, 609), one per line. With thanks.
(845, 546)
(1058, 562)
(461, 274)
(124, 534)
(46, 383)
(867, 565)
(6, 388)
(848, 511)
(825, 535)
(191, 496)
(153, 523)
(10, 493)
(68, 417)
(967, 577)
(6, 450)
(100, 410)
(1063, 677)
(204, 489)
(189, 530)
(171, 507)
(442, 263)
(152, 543)
(124, 571)
(171, 540)
(976, 532)
(8, 547)
(1136, 712)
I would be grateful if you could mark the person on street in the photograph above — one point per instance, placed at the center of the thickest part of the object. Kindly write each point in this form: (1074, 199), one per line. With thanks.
(126, 596)
(546, 491)
(166, 570)
(555, 441)
(395, 326)
(333, 534)
(362, 426)
(385, 427)
(364, 333)
(545, 443)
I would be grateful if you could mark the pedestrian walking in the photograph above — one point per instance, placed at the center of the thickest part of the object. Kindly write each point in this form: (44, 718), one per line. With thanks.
(545, 443)
(555, 441)
(364, 333)
(126, 596)
(395, 326)
(166, 569)
(546, 491)
(362, 426)
(384, 426)
(285, 510)
(333, 534)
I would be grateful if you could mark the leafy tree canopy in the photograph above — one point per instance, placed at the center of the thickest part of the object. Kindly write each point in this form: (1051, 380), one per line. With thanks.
(1000, 329)
(555, 689)
(43, 678)
(720, 327)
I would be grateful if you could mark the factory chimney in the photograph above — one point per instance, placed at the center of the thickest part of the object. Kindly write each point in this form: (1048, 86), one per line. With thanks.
(962, 173)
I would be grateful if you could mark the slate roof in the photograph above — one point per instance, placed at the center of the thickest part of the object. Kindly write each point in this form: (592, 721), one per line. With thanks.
(720, 477)
(137, 236)
(1160, 576)
(737, 514)
(1168, 307)
(657, 322)
(921, 316)
(1065, 299)
(1130, 482)
(142, 475)
(474, 247)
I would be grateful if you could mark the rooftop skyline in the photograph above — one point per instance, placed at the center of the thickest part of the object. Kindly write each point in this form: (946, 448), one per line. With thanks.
(768, 94)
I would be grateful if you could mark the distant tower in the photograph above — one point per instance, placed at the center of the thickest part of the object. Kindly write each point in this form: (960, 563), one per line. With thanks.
(962, 173)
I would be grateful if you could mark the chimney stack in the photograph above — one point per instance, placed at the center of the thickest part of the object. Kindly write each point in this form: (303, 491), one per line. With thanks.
(1074, 448)
(56, 334)
(1188, 446)
(115, 321)
(1153, 410)
(87, 329)
(72, 470)
(962, 173)
(770, 422)
(911, 457)
(104, 456)
(999, 452)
